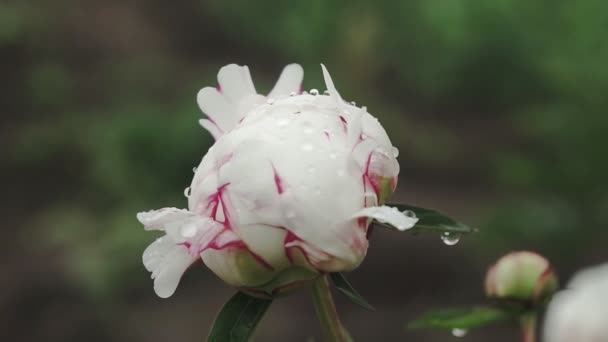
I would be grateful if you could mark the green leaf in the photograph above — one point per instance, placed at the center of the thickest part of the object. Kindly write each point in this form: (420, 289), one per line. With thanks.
(459, 318)
(430, 220)
(238, 318)
(344, 287)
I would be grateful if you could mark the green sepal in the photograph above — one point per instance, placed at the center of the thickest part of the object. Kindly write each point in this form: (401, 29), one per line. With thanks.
(344, 287)
(238, 318)
(430, 220)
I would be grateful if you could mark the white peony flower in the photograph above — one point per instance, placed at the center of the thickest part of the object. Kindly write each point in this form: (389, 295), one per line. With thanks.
(580, 312)
(285, 194)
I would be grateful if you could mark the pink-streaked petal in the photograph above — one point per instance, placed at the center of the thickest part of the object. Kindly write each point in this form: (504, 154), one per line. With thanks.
(159, 219)
(390, 215)
(289, 82)
(212, 128)
(235, 82)
(167, 262)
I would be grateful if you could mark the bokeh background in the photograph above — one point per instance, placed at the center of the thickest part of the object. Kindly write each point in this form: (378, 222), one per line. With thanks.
(498, 108)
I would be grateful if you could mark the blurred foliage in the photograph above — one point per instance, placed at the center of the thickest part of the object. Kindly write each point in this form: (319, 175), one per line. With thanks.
(100, 99)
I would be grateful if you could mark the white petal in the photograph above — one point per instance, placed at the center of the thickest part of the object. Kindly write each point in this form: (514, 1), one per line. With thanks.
(388, 215)
(167, 262)
(212, 128)
(329, 83)
(218, 109)
(235, 82)
(290, 81)
(159, 219)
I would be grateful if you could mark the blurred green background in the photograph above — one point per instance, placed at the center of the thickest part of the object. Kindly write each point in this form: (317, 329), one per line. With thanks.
(498, 108)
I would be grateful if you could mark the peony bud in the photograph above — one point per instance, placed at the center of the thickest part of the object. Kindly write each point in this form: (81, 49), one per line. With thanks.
(285, 194)
(580, 312)
(523, 276)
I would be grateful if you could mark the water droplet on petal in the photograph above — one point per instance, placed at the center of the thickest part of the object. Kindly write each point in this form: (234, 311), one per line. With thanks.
(364, 108)
(395, 152)
(459, 332)
(307, 147)
(314, 92)
(188, 230)
(194, 169)
(353, 103)
(409, 213)
(450, 239)
(326, 92)
(293, 93)
(187, 191)
(270, 101)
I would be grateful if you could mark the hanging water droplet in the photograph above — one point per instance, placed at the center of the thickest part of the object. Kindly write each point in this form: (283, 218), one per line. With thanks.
(450, 239)
(395, 152)
(188, 230)
(459, 332)
(307, 147)
(326, 92)
(270, 101)
(194, 169)
(187, 191)
(409, 213)
(314, 92)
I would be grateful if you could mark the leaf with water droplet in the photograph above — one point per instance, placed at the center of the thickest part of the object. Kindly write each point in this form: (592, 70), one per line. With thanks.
(344, 287)
(430, 220)
(462, 319)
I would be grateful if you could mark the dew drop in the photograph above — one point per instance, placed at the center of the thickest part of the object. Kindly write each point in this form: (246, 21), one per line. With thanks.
(270, 101)
(409, 213)
(314, 92)
(307, 147)
(364, 108)
(282, 123)
(293, 93)
(395, 152)
(353, 103)
(291, 214)
(187, 191)
(326, 92)
(194, 169)
(450, 239)
(459, 332)
(188, 230)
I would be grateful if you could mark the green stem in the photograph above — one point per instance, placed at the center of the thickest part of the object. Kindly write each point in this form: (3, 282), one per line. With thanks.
(528, 327)
(326, 312)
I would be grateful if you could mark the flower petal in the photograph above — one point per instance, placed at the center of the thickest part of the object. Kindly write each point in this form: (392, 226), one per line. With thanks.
(390, 215)
(167, 262)
(159, 219)
(216, 106)
(289, 82)
(329, 83)
(235, 82)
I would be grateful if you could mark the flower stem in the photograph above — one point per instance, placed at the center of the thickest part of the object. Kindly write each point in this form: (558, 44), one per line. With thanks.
(528, 327)
(326, 312)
